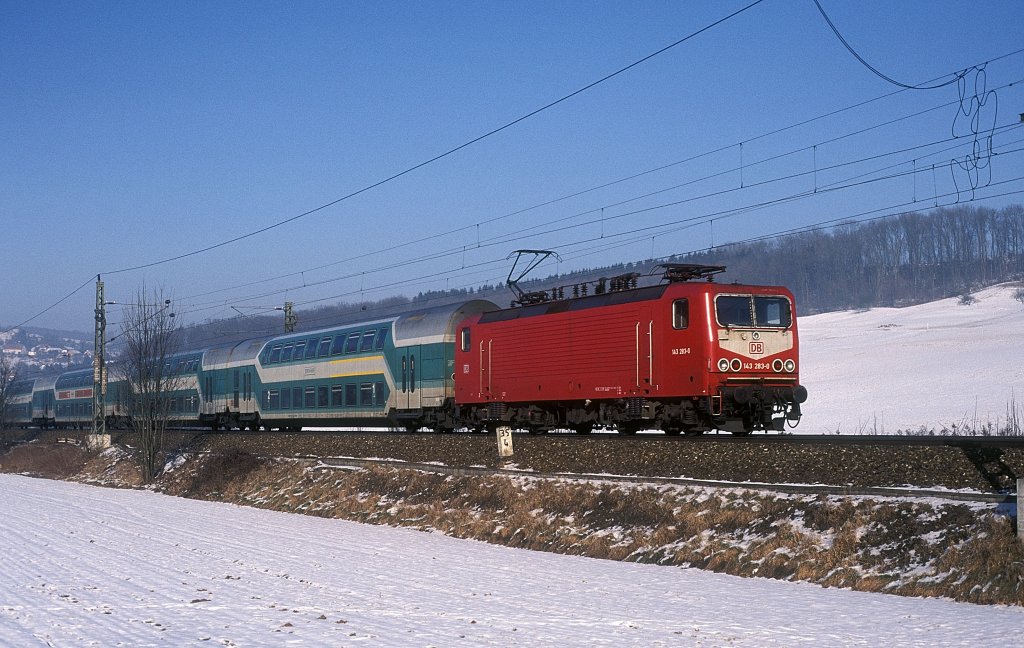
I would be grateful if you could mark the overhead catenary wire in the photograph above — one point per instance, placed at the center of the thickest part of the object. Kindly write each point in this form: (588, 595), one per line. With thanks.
(445, 154)
(797, 124)
(755, 163)
(639, 233)
(956, 77)
(504, 239)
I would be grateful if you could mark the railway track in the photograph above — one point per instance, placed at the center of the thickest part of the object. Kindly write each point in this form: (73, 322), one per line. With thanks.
(789, 489)
(988, 465)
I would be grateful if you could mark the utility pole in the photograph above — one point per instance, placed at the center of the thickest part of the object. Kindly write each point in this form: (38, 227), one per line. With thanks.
(99, 366)
(290, 318)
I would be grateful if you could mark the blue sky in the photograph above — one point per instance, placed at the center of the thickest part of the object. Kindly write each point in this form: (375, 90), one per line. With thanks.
(134, 132)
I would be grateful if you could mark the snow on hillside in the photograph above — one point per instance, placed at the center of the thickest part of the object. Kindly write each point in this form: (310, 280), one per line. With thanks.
(935, 365)
(88, 566)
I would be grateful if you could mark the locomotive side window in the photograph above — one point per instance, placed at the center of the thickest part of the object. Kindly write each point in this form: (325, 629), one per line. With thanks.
(734, 310)
(465, 339)
(680, 314)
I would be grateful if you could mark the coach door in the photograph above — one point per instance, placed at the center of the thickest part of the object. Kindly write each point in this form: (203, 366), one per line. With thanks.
(244, 393)
(409, 382)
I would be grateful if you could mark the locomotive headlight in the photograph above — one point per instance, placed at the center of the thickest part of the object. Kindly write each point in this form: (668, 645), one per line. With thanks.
(777, 365)
(790, 366)
(723, 364)
(736, 364)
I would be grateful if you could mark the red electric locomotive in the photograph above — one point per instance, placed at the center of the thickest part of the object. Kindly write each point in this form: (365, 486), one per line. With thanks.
(683, 356)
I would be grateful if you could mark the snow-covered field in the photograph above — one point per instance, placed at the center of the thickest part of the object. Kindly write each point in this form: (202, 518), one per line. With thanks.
(935, 365)
(88, 566)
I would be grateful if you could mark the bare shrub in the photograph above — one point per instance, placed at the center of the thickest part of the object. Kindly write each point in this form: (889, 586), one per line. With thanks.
(56, 461)
(219, 474)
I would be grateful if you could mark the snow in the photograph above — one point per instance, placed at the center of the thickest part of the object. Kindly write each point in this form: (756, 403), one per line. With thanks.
(936, 365)
(89, 566)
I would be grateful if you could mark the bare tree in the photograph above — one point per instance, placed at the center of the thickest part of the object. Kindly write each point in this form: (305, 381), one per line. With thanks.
(9, 373)
(150, 335)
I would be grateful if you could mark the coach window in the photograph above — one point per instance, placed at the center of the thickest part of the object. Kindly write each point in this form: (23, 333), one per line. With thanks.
(296, 397)
(352, 344)
(338, 346)
(366, 344)
(381, 336)
(465, 340)
(680, 314)
(286, 353)
(275, 354)
(300, 349)
(337, 396)
(366, 394)
(275, 399)
(325, 347)
(380, 395)
(321, 395)
(310, 398)
(286, 399)
(350, 395)
(311, 348)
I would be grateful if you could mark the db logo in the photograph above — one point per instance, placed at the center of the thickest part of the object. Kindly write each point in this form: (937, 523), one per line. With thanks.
(756, 348)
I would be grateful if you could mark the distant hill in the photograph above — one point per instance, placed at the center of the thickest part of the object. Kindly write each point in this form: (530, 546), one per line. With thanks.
(42, 350)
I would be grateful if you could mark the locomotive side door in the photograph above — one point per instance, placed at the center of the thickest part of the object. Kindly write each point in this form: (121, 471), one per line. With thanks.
(644, 349)
(409, 380)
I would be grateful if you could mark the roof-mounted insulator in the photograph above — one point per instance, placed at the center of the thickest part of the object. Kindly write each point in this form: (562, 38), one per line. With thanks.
(686, 271)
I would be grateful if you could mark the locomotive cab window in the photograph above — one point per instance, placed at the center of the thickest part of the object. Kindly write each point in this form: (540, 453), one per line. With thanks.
(753, 311)
(772, 311)
(734, 310)
(465, 339)
(680, 314)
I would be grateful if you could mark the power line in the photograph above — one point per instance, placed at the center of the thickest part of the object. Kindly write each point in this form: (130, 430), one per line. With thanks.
(446, 153)
(657, 229)
(956, 77)
(594, 210)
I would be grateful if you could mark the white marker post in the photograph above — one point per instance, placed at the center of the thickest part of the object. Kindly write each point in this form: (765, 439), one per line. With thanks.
(504, 441)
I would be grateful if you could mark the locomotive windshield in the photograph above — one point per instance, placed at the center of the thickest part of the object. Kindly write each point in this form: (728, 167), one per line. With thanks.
(753, 311)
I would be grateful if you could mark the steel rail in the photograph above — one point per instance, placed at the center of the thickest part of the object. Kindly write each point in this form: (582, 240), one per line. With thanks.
(788, 489)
